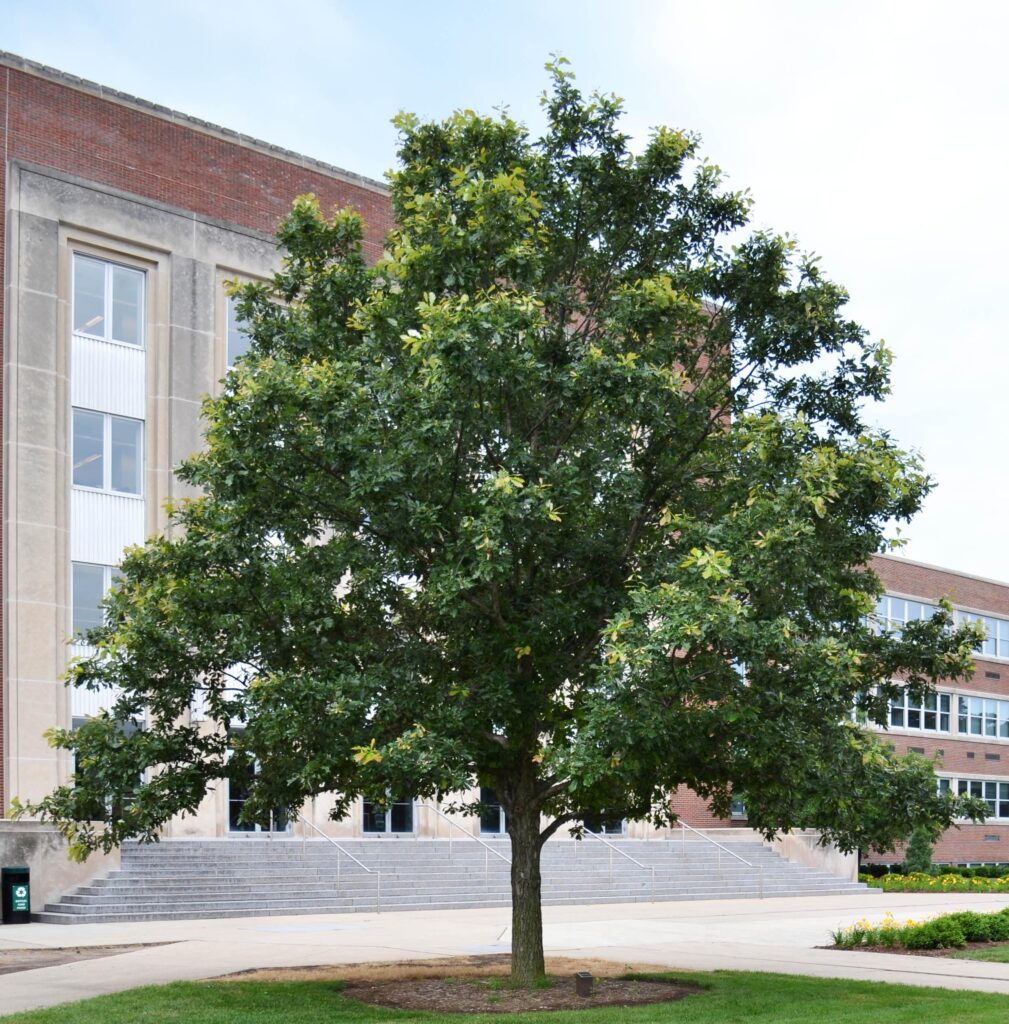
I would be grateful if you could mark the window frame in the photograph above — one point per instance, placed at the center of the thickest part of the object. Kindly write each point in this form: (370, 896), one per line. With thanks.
(109, 267)
(106, 455)
(908, 707)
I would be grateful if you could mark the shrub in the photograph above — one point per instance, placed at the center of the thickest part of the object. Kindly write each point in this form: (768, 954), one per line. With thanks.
(918, 856)
(998, 926)
(975, 927)
(940, 933)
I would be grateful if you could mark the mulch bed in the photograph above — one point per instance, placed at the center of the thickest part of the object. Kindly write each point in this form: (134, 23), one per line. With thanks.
(12, 960)
(495, 995)
(901, 950)
(481, 984)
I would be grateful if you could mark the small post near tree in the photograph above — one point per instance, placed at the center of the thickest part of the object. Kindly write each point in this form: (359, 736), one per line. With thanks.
(565, 496)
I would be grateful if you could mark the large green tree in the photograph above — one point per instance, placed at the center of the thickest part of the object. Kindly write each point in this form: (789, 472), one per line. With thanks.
(567, 495)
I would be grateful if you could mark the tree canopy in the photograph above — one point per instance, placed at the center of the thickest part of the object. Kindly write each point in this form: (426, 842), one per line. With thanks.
(571, 495)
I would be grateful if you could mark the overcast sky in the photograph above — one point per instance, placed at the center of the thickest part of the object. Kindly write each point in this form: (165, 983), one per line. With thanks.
(873, 131)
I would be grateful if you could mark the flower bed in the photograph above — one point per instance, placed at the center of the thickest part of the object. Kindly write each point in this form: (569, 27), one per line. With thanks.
(948, 931)
(921, 882)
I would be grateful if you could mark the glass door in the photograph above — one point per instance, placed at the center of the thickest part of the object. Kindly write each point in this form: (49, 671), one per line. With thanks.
(395, 817)
(492, 817)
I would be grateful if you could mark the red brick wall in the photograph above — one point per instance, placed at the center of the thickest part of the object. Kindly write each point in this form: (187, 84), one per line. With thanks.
(694, 810)
(963, 754)
(111, 142)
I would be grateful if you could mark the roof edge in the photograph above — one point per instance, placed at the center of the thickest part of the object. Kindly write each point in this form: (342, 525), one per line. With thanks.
(31, 67)
(942, 568)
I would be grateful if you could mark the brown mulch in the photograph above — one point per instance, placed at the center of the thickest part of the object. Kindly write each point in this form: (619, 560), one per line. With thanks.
(12, 960)
(901, 950)
(480, 984)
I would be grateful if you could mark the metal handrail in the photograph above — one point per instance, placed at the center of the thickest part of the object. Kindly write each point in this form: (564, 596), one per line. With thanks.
(469, 835)
(760, 867)
(612, 847)
(684, 825)
(346, 853)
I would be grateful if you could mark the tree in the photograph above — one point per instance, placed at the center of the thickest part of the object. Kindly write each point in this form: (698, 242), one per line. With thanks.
(565, 496)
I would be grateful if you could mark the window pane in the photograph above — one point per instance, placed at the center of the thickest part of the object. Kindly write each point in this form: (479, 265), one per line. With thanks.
(896, 714)
(89, 296)
(127, 305)
(125, 455)
(238, 337)
(929, 722)
(990, 718)
(88, 590)
(374, 817)
(89, 470)
(913, 717)
(962, 709)
(402, 817)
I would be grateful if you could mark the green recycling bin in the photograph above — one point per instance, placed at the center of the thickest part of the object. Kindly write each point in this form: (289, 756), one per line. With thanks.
(16, 893)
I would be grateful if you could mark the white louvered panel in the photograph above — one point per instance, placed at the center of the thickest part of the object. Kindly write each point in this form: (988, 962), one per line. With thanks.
(84, 703)
(108, 377)
(102, 524)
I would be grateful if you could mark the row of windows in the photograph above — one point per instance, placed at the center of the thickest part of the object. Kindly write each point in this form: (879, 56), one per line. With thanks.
(994, 792)
(932, 714)
(895, 612)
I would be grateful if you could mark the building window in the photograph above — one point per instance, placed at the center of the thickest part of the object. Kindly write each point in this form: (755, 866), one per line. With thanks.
(996, 642)
(394, 817)
(930, 715)
(993, 792)
(108, 301)
(238, 334)
(982, 716)
(895, 612)
(89, 584)
(107, 452)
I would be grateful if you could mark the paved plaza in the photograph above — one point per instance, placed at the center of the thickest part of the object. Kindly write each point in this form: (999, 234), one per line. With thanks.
(776, 935)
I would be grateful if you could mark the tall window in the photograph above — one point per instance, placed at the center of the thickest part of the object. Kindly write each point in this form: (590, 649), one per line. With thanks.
(107, 452)
(90, 582)
(238, 335)
(108, 300)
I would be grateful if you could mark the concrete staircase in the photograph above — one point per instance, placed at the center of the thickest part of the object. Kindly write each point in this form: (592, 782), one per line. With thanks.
(184, 879)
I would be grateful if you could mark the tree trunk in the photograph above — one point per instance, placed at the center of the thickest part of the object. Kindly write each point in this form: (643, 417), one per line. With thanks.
(527, 916)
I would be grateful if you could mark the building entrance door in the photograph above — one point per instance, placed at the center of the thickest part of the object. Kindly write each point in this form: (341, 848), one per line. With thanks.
(278, 820)
(393, 819)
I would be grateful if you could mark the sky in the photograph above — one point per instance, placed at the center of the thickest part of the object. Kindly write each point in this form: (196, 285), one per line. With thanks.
(874, 131)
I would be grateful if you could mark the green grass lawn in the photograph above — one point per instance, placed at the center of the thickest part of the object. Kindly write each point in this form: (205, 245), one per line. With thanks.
(997, 953)
(730, 997)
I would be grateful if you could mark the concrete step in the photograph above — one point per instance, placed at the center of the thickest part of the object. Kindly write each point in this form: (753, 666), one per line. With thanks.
(180, 879)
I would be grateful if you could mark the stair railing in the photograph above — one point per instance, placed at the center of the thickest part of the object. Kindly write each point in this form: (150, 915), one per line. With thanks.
(684, 827)
(346, 853)
(487, 848)
(612, 848)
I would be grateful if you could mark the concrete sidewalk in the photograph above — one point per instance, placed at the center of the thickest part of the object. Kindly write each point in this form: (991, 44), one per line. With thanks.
(776, 935)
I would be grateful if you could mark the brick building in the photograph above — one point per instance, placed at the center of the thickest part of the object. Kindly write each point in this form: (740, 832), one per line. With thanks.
(964, 727)
(122, 221)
